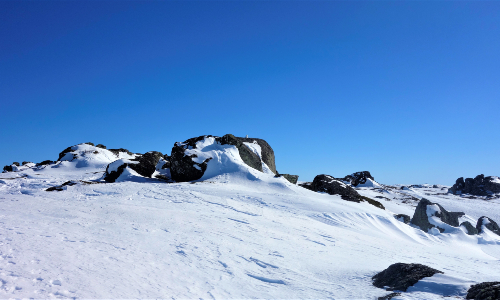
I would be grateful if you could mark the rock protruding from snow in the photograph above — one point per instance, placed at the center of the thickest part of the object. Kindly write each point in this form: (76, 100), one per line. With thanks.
(485, 222)
(358, 178)
(484, 291)
(185, 163)
(267, 153)
(429, 215)
(403, 218)
(249, 157)
(470, 229)
(328, 184)
(478, 186)
(400, 276)
(144, 165)
(291, 178)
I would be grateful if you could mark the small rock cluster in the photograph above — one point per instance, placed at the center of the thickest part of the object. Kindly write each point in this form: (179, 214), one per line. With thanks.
(478, 186)
(358, 178)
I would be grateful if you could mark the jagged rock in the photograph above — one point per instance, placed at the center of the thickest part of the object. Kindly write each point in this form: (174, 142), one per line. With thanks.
(400, 276)
(45, 162)
(117, 151)
(471, 230)
(332, 186)
(145, 166)
(16, 164)
(306, 185)
(101, 146)
(488, 223)
(267, 152)
(291, 178)
(166, 165)
(26, 162)
(389, 296)
(8, 169)
(478, 186)
(247, 155)
(89, 143)
(403, 218)
(358, 178)
(421, 217)
(484, 291)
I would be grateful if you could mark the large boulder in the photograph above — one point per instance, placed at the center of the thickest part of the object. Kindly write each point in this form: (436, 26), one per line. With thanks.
(478, 186)
(189, 159)
(488, 223)
(328, 184)
(145, 165)
(400, 276)
(358, 178)
(429, 215)
(484, 291)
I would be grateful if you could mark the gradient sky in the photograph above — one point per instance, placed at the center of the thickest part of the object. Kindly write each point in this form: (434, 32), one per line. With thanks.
(409, 91)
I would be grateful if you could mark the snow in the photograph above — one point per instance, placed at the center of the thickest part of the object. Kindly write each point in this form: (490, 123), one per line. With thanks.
(369, 183)
(235, 233)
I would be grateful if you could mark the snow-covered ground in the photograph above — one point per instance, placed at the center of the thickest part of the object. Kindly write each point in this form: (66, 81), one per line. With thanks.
(238, 234)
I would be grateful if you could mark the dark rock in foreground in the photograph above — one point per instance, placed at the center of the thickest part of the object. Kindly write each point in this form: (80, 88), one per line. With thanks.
(421, 219)
(478, 186)
(484, 291)
(403, 218)
(488, 223)
(471, 230)
(400, 276)
(358, 178)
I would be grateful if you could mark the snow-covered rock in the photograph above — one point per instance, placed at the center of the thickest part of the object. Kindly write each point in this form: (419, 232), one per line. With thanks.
(363, 178)
(487, 223)
(430, 215)
(144, 165)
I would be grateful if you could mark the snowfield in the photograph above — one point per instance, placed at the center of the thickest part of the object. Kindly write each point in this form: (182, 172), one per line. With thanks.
(237, 233)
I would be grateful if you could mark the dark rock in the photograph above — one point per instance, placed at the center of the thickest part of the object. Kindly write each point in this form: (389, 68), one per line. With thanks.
(400, 276)
(292, 178)
(389, 297)
(182, 167)
(8, 169)
(471, 230)
(373, 202)
(45, 162)
(16, 164)
(146, 166)
(26, 162)
(490, 224)
(89, 143)
(60, 187)
(403, 218)
(248, 156)
(147, 163)
(435, 186)
(166, 165)
(358, 178)
(306, 185)
(267, 152)
(484, 291)
(332, 186)
(117, 151)
(63, 153)
(101, 146)
(421, 219)
(478, 186)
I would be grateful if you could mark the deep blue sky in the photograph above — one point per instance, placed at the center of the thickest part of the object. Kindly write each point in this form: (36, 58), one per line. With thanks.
(407, 90)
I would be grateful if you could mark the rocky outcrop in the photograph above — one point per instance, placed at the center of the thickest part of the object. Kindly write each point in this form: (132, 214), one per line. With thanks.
(478, 186)
(403, 218)
(358, 178)
(291, 178)
(471, 230)
(484, 291)
(400, 276)
(488, 223)
(423, 213)
(144, 165)
(248, 156)
(101, 146)
(328, 184)
(26, 162)
(117, 151)
(267, 152)
(8, 168)
(45, 162)
(182, 167)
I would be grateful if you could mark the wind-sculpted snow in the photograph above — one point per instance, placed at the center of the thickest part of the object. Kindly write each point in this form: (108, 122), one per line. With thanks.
(235, 233)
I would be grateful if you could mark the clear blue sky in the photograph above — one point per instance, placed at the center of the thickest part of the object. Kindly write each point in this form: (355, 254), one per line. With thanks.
(409, 91)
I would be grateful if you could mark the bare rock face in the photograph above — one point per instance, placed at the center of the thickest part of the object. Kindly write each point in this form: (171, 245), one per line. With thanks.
(488, 223)
(471, 230)
(421, 219)
(400, 276)
(266, 151)
(478, 186)
(291, 178)
(248, 156)
(484, 291)
(358, 178)
(332, 186)
(145, 166)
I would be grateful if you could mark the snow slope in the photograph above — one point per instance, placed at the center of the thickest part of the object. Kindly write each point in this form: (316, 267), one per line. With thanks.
(237, 233)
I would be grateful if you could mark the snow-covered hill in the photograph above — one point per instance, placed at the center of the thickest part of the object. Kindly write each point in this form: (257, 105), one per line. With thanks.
(236, 232)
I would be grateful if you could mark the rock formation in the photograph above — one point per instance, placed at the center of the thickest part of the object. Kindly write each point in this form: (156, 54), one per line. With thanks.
(484, 291)
(400, 276)
(489, 224)
(478, 186)
(423, 212)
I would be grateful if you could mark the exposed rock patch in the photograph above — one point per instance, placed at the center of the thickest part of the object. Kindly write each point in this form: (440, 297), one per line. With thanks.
(248, 156)
(471, 230)
(328, 184)
(400, 276)
(488, 223)
(182, 167)
(484, 291)
(423, 213)
(266, 151)
(144, 165)
(291, 178)
(403, 218)
(478, 186)
(358, 178)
